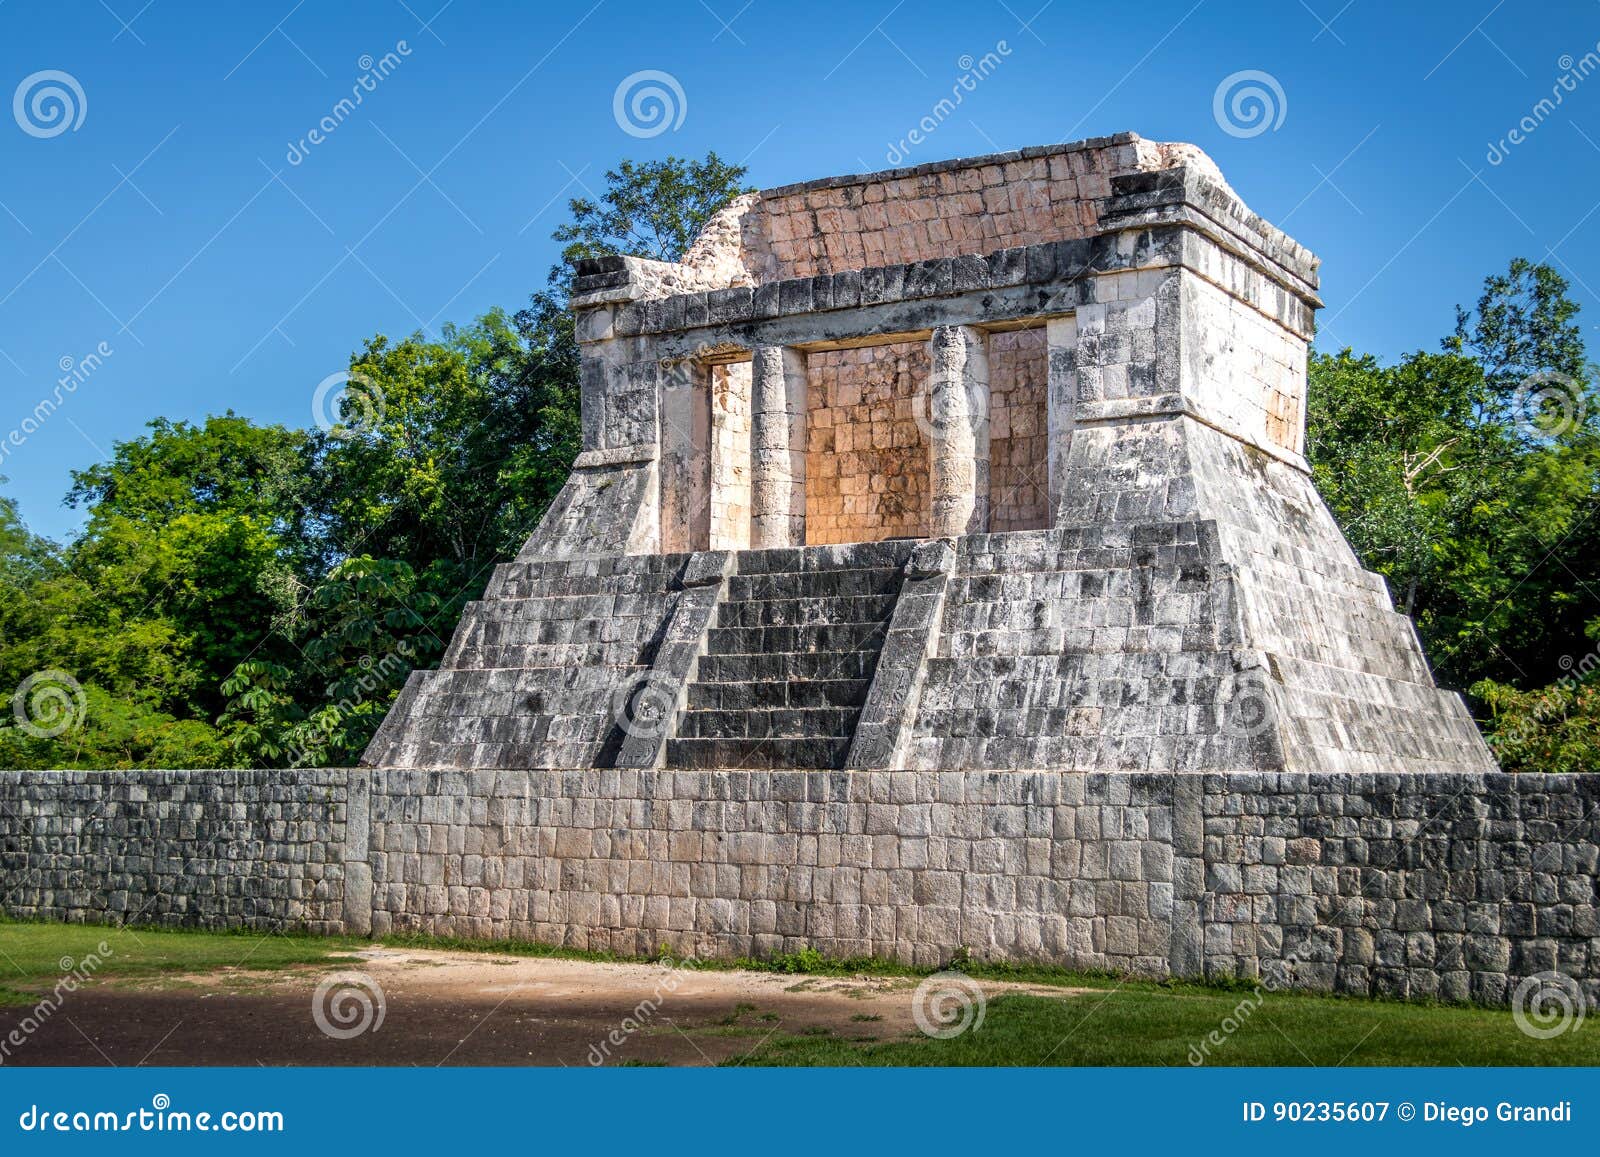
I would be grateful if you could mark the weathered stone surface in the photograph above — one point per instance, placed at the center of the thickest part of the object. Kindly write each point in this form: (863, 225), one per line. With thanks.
(1142, 709)
(1147, 874)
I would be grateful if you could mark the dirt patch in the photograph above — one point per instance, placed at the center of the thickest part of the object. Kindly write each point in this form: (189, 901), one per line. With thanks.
(456, 1008)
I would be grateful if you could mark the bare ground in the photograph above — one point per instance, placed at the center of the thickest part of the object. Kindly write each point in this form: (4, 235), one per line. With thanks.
(457, 1008)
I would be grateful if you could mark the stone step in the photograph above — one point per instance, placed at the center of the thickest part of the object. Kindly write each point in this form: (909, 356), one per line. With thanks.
(818, 639)
(781, 666)
(805, 723)
(805, 612)
(827, 584)
(628, 574)
(890, 554)
(758, 754)
(779, 693)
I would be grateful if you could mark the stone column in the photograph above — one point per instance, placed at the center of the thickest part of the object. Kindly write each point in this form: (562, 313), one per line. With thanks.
(685, 465)
(957, 424)
(777, 448)
(1061, 401)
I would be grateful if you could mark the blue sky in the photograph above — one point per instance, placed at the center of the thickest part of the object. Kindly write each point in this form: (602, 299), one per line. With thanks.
(170, 224)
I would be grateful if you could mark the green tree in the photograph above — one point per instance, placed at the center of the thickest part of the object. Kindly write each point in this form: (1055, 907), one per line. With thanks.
(448, 453)
(651, 209)
(1471, 479)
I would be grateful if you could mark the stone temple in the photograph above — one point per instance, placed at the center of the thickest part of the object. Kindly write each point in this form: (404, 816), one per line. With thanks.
(941, 574)
(987, 464)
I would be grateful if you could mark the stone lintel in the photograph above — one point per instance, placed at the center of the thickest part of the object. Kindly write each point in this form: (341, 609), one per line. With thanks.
(1023, 287)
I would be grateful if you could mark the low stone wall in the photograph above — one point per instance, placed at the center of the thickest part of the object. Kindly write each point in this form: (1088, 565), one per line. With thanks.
(219, 849)
(1453, 886)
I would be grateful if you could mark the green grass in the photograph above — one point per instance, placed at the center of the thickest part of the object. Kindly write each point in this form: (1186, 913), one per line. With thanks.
(1148, 1024)
(1115, 1023)
(32, 955)
(807, 962)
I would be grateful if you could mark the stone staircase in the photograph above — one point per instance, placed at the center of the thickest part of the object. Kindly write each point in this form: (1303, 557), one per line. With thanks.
(789, 658)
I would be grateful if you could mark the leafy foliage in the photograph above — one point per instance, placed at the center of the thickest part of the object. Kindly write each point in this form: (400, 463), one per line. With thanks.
(651, 209)
(1554, 728)
(1480, 513)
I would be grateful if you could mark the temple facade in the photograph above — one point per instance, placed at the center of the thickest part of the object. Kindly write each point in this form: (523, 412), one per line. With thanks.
(994, 463)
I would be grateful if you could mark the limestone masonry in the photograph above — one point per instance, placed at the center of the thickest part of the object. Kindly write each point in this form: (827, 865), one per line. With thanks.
(942, 570)
(1076, 374)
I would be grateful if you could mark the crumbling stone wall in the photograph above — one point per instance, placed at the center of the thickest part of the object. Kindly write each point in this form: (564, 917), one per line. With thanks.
(943, 209)
(1448, 886)
(869, 455)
